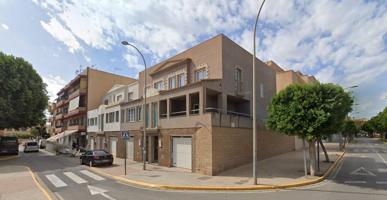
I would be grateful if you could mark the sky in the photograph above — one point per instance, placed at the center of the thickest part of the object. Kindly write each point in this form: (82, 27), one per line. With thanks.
(338, 41)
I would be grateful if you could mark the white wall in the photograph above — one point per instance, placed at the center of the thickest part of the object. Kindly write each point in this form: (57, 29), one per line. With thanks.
(92, 114)
(114, 126)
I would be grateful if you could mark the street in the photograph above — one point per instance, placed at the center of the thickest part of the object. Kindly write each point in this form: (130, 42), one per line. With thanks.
(361, 175)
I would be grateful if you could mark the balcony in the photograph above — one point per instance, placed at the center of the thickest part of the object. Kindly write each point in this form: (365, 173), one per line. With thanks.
(60, 103)
(59, 116)
(76, 127)
(79, 110)
(77, 93)
(230, 119)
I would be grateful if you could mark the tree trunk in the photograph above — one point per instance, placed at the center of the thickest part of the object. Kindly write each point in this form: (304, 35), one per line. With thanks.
(304, 152)
(325, 151)
(312, 157)
(345, 141)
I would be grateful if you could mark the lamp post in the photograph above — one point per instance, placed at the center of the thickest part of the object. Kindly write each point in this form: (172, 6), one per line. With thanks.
(144, 106)
(254, 102)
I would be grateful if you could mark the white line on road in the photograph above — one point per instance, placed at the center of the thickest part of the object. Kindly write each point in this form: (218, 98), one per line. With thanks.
(92, 175)
(59, 197)
(354, 182)
(75, 177)
(381, 182)
(57, 182)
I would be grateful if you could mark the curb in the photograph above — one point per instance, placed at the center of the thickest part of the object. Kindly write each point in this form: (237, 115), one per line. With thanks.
(226, 188)
(42, 188)
(10, 157)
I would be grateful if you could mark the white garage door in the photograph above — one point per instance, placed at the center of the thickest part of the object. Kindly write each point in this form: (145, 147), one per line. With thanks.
(130, 148)
(182, 152)
(113, 146)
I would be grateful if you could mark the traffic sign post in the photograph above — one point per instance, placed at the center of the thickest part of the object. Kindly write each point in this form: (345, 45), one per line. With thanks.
(125, 137)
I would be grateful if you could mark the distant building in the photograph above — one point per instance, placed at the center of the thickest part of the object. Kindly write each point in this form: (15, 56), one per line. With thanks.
(69, 112)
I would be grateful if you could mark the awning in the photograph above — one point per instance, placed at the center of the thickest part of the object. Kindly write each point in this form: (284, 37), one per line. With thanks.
(56, 137)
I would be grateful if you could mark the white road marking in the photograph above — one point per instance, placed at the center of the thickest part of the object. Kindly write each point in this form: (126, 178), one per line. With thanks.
(362, 171)
(75, 177)
(57, 182)
(354, 182)
(59, 197)
(381, 182)
(92, 175)
(96, 190)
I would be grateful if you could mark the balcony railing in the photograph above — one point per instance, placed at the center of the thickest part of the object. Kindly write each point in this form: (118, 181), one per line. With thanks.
(76, 111)
(229, 119)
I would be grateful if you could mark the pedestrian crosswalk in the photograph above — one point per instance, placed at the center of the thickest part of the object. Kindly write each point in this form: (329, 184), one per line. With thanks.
(63, 179)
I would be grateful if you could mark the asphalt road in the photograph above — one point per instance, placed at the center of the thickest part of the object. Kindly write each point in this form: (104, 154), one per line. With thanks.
(362, 175)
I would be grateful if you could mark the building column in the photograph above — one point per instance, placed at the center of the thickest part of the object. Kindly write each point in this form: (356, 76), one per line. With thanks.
(187, 105)
(202, 101)
(168, 107)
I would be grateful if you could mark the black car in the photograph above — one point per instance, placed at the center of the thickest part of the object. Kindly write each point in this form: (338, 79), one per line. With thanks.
(9, 146)
(96, 157)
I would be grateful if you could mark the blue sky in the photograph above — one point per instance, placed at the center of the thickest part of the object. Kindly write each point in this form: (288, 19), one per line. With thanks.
(343, 42)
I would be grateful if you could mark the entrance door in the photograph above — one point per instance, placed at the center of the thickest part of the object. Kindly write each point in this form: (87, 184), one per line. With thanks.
(155, 149)
(113, 146)
(130, 148)
(182, 152)
(92, 143)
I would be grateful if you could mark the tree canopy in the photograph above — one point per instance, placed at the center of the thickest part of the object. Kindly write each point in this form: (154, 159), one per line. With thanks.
(377, 123)
(23, 95)
(309, 111)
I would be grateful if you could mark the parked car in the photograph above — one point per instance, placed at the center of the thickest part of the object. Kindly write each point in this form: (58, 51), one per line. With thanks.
(9, 146)
(31, 146)
(96, 157)
(42, 143)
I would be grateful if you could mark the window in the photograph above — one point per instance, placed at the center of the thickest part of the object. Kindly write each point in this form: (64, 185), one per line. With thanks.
(107, 117)
(180, 80)
(200, 74)
(130, 96)
(158, 85)
(131, 114)
(106, 102)
(117, 116)
(119, 97)
(139, 113)
(111, 117)
(172, 82)
(238, 79)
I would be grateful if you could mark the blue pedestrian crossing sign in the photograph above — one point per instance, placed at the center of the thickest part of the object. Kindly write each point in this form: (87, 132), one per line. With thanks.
(125, 135)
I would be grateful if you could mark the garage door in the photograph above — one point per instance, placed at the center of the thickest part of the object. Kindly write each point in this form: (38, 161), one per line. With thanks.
(182, 152)
(130, 148)
(113, 146)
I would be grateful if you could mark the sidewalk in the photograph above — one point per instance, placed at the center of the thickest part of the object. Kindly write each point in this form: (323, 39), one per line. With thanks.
(16, 183)
(283, 169)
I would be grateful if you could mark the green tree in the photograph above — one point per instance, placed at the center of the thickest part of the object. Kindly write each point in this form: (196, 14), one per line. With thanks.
(310, 112)
(23, 95)
(349, 130)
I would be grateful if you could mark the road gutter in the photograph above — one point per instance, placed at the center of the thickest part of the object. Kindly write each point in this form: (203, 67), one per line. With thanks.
(49, 195)
(226, 188)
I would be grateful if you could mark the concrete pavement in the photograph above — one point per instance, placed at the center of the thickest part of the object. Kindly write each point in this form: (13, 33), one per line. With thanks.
(279, 170)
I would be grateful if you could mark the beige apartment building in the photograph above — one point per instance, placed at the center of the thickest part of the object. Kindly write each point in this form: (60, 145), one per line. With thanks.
(199, 106)
(79, 95)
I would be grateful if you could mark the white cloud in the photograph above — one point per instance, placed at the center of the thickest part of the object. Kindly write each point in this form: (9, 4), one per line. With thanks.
(59, 32)
(383, 96)
(326, 75)
(54, 84)
(5, 26)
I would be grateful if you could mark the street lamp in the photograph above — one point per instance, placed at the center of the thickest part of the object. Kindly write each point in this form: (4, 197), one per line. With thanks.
(144, 107)
(254, 102)
(351, 87)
